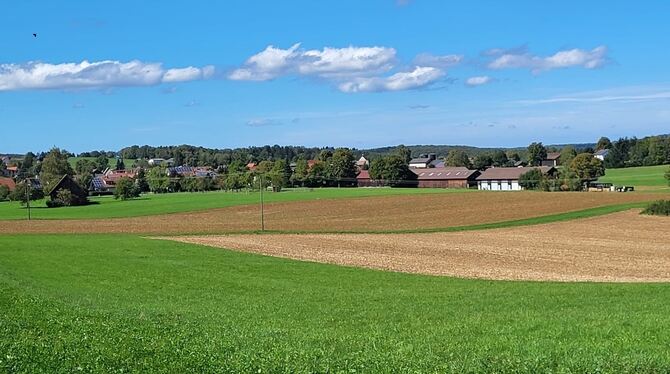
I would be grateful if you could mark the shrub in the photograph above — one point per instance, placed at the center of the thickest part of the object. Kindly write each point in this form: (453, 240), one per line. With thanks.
(126, 189)
(532, 179)
(658, 208)
(4, 192)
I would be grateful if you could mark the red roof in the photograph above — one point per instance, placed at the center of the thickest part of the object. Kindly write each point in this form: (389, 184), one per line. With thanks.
(13, 168)
(364, 174)
(9, 182)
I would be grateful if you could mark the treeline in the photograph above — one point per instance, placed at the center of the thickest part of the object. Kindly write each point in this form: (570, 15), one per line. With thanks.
(201, 156)
(631, 152)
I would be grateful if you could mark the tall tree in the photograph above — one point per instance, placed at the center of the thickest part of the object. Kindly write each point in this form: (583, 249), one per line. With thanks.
(120, 165)
(342, 166)
(586, 167)
(393, 170)
(499, 158)
(568, 153)
(603, 143)
(102, 162)
(300, 173)
(54, 166)
(482, 161)
(457, 157)
(404, 153)
(536, 153)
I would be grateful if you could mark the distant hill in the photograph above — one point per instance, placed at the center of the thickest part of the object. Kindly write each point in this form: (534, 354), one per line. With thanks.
(443, 150)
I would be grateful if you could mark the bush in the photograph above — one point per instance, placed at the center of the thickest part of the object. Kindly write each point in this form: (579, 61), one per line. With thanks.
(126, 189)
(658, 208)
(4, 192)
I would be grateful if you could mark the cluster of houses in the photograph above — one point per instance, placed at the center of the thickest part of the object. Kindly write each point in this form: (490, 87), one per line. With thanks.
(105, 182)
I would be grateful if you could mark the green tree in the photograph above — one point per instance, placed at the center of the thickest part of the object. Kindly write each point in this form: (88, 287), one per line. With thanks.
(532, 179)
(120, 165)
(54, 166)
(4, 192)
(586, 167)
(499, 158)
(393, 170)
(280, 174)
(404, 153)
(141, 181)
(102, 163)
(20, 192)
(457, 157)
(158, 180)
(603, 143)
(667, 176)
(3, 167)
(300, 173)
(568, 153)
(126, 189)
(482, 161)
(536, 153)
(342, 166)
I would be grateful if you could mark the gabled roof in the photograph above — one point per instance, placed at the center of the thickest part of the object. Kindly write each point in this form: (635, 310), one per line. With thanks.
(510, 173)
(602, 152)
(364, 174)
(420, 160)
(447, 173)
(553, 156)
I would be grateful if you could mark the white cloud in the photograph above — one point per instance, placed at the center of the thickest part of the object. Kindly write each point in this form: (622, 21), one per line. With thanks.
(594, 58)
(263, 122)
(102, 74)
(419, 77)
(444, 61)
(273, 62)
(478, 81)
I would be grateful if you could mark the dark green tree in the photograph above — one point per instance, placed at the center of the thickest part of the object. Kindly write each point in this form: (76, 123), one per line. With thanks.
(499, 158)
(586, 167)
(54, 166)
(457, 157)
(102, 163)
(532, 179)
(141, 181)
(126, 189)
(536, 153)
(603, 143)
(120, 165)
(342, 167)
(404, 153)
(568, 153)
(482, 161)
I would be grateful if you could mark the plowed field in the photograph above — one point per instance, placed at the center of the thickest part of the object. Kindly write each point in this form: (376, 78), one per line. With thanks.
(621, 247)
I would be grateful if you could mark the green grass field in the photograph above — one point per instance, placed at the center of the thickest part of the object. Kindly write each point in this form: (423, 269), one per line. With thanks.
(112, 161)
(644, 176)
(110, 303)
(151, 204)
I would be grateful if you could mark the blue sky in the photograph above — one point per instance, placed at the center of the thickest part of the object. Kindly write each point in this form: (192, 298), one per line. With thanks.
(104, 75)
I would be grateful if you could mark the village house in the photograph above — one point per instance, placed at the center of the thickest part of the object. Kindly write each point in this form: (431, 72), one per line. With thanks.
(191, 171)
(507, 179)
(446, 177)
(105, 183)
(601, 154)
(552, 159)
(8, 182)
(363, 179)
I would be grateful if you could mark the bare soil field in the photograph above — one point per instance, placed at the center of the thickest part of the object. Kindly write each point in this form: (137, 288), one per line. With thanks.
(621, 247)
(359, 214)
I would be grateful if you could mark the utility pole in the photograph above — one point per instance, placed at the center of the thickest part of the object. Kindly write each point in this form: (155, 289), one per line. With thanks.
(262, 208)
(28, 196)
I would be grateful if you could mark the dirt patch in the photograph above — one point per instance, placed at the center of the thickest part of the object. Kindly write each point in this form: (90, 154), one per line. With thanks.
(621, 247)
(359, 214)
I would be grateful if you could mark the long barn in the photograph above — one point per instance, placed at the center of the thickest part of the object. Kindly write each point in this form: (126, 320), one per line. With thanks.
(446, 177)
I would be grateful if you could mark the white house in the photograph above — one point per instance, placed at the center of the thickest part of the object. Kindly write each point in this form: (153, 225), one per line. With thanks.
(423, 161)
(506, 179)
(601, 154)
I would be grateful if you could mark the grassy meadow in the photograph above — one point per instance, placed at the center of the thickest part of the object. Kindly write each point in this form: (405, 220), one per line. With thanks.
(112, 161)
(152, 204)
(645, 177)
(119, 303)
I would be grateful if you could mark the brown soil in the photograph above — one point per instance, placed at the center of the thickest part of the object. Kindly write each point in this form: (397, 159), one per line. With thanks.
(359, 214)
(621, 247)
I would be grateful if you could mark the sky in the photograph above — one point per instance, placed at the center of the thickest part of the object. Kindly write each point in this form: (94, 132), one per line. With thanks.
(222, 74)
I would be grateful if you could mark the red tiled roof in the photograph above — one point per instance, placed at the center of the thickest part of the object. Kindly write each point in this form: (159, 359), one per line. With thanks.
(364, 174)
(9, 182)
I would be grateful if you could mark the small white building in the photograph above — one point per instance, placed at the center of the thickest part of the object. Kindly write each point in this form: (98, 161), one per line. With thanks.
(601, 154)
(506, 179)
(423, 161)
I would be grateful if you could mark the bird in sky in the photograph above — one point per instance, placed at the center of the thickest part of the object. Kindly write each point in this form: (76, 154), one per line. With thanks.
(35, 35)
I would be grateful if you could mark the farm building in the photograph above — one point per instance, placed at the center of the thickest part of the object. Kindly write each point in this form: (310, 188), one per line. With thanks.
(106, 182)
(446, 177)
(601, 154)
(363, 179)
(507, 179)
(66, 183)
(552, 159)
(423, 161)
(190, 171)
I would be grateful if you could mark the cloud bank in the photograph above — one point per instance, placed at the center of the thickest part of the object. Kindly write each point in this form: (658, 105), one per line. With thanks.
(102, 74)
(478, 81)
